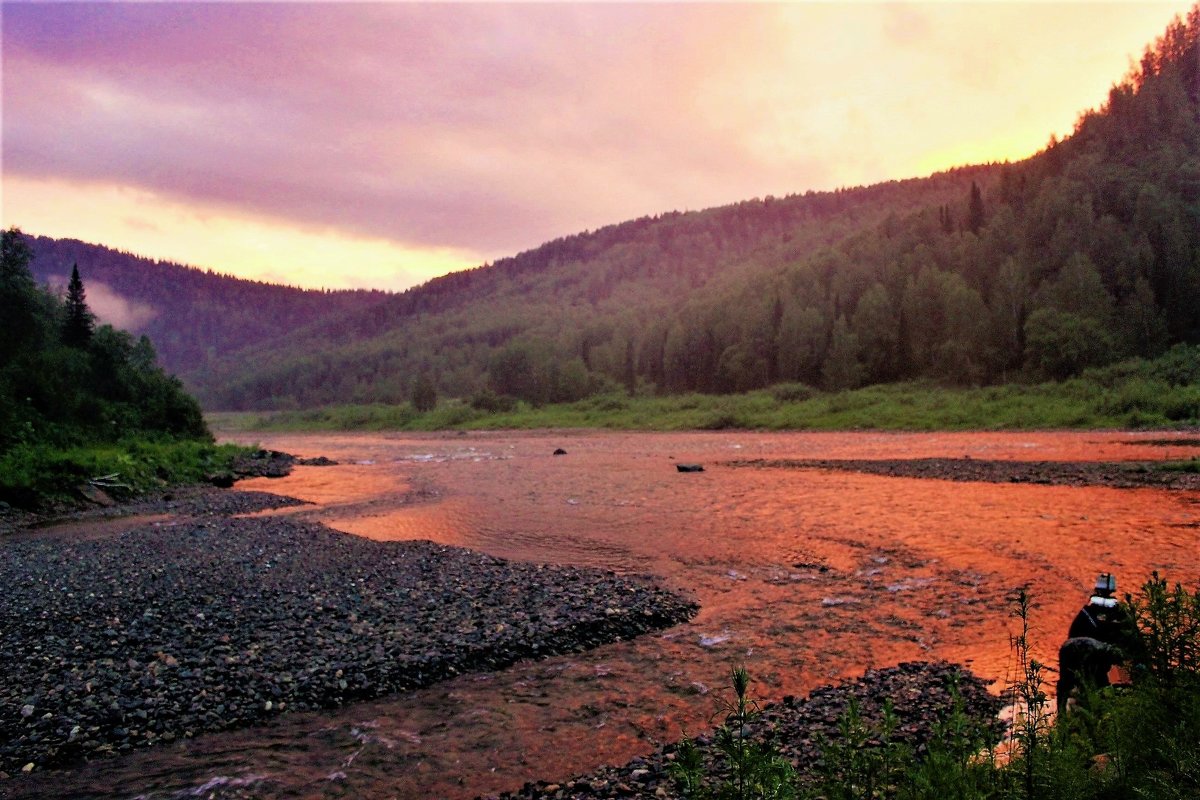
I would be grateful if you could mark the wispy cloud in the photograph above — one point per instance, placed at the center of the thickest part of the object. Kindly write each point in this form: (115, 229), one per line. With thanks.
(485, 129)
(110, 306)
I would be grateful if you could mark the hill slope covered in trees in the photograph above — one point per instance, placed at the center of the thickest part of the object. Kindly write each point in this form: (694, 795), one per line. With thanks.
(1087, 253)
(191, 315)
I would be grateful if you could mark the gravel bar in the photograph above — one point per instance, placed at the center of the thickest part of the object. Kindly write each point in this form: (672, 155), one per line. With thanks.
(1118, 475)
(919, 691)
(196, 500)
(166, 631)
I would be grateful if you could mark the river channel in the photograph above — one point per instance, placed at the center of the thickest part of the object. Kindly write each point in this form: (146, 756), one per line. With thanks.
(804, 576)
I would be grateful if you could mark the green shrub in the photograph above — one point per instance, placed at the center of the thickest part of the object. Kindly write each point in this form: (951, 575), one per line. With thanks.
(748, 769)
(792, 392)
(1182, 404)
(1136, 395)
(864, 761)
(719, 421)
(32, 476)
(1140, 741)
(488, 401)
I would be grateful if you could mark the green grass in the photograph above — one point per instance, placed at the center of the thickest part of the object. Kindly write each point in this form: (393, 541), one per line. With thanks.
(1081, 403)
(35, 476)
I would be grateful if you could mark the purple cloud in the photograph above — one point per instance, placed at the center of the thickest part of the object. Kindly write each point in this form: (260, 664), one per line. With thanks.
(486, 127)
(490, 128)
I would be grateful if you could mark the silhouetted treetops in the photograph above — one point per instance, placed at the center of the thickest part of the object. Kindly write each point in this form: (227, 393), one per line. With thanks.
(64, 381)
(78, 321)
(1083, 254)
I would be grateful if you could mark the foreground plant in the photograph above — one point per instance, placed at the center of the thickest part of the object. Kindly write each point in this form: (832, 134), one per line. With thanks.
(1137, 741)
(864, 762)
(750, 768)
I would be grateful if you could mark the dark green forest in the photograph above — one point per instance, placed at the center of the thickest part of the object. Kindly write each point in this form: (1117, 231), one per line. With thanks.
(1082, 255)
(64, 381)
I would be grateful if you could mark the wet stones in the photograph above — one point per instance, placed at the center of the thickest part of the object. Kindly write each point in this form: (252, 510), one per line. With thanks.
(1119, 475)
(222, 480)
(318, 461)
(197, 500)
(165, 632)
(921, 694)
(264, 464)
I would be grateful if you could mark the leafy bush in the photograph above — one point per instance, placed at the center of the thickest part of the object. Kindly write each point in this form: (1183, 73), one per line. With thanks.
(487, 400)
(792, 392)
(32, 476)
(1140, 741)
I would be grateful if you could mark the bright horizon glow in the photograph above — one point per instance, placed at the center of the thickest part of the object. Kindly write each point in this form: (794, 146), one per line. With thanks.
(378, 145)
(155, 227)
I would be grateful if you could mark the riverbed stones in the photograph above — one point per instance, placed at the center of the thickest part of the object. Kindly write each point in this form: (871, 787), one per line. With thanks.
(191, 500)
(1118, 475)
(921, 694)
(168, 631)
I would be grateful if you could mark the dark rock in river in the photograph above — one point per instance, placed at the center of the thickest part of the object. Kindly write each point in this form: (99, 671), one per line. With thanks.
(319, 461)
(264, 464)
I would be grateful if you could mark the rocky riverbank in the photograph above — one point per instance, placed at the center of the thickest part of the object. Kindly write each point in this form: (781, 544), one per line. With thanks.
(207, 623)
(1119, 475)
(200, 500)
(93, 503)
(920, 693)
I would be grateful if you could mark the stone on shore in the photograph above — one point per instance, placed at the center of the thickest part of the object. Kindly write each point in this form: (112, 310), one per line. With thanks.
(169, 631)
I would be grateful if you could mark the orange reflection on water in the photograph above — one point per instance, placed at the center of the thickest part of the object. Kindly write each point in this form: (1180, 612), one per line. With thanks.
(803, 576)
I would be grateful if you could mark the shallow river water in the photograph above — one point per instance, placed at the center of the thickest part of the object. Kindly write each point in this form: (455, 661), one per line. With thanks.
(803, 576)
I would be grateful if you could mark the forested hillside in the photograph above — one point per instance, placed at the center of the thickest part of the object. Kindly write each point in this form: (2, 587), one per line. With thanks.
(64, 381)
(1083, 254)
(565, 319)
(191, 315)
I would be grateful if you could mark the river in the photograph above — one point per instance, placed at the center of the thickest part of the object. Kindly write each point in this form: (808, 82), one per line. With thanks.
(803, 576)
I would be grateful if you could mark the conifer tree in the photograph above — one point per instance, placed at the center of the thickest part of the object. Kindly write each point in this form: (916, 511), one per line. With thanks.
(975, 209)
(946, 219)
(20, 302)
(424, 394)
(79, 322)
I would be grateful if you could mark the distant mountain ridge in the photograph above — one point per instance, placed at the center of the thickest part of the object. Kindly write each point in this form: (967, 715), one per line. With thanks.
(191, 315)
(1083, 254)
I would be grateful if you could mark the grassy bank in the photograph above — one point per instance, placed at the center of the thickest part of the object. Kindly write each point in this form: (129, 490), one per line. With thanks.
(1114, 398)
(36, 476)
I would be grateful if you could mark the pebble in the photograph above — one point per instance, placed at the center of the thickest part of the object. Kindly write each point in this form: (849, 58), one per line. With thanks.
(226, 622)
(1119, 475)
(920, 693)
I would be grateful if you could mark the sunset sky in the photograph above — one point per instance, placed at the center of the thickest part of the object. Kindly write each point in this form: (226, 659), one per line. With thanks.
(378, 145)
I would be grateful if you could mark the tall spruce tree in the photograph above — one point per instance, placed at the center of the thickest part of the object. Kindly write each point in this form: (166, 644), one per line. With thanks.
(975, 209)
(78, 323)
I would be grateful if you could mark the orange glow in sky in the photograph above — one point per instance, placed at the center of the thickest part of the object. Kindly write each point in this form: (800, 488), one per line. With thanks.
(379, 145)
